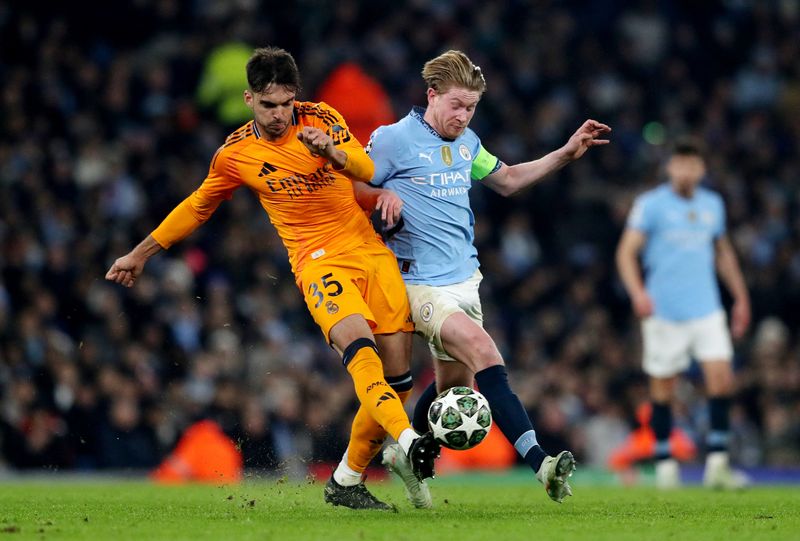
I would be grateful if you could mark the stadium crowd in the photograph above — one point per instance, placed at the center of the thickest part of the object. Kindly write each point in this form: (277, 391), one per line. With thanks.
(103, 133)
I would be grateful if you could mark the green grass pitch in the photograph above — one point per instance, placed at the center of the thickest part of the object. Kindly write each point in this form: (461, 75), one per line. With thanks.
(466, 508)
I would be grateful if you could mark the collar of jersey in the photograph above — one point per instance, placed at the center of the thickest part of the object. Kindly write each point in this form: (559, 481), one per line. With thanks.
(418, 113)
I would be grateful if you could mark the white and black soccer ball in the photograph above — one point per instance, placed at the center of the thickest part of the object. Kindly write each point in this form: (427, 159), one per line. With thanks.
(460, 418)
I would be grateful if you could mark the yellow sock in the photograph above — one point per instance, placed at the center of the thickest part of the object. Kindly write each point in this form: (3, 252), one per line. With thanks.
(377, 398)
(366, 437)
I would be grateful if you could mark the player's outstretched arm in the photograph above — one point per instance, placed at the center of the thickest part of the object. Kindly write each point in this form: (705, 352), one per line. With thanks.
(509, 180)
(127, 268)
(386, 201)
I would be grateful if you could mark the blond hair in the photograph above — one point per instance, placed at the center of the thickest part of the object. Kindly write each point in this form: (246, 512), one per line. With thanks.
(450, 69)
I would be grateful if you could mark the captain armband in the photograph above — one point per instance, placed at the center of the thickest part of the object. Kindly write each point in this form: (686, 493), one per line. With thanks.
(484, 164)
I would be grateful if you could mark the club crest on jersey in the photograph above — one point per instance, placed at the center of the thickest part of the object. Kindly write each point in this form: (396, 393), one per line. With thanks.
(464, 152)
(447, 155)
(426, 312)
(332, 307)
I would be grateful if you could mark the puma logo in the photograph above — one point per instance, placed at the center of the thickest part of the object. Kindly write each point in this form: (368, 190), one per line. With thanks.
(428, 156)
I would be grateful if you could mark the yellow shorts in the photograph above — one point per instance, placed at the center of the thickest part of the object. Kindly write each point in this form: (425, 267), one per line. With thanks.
(363, 281)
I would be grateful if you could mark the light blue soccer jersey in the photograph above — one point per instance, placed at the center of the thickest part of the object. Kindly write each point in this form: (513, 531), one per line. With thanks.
(679, 254)
(432, 176)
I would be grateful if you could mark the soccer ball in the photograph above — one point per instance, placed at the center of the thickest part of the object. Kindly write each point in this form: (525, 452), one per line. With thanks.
(460, 418)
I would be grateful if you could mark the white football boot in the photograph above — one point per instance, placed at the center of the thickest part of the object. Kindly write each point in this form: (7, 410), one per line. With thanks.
(397, 462)
(553, 474)
(718, 473)
(668, 474)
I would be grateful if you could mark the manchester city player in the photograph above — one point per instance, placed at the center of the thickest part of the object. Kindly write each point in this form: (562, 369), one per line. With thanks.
(679, 229)
(430, 159)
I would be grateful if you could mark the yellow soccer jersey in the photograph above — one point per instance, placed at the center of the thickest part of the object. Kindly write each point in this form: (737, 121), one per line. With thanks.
(310, 203)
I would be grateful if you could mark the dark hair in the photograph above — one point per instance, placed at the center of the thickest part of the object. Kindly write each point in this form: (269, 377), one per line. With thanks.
(272, 65)
(687, 146)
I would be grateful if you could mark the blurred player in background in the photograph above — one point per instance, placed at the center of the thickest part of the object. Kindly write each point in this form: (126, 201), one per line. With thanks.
(679, 228)
(430, 159)
(300, 158)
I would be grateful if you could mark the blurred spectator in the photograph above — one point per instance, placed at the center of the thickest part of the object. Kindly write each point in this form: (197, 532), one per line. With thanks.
(223, 82)
(359, 98)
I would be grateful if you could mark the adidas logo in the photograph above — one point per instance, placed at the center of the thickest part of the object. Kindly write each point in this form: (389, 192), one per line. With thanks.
(266, 169)
(384, 397)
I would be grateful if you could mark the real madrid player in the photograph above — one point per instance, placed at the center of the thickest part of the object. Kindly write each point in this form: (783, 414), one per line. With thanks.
(679, 228)
(299, 159)
(430, 159)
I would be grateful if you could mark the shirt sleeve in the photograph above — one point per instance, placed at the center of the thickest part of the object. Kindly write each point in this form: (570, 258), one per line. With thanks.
(381, 149)
(201, 204)
(358, 166)
(641, 216)
(484, 164)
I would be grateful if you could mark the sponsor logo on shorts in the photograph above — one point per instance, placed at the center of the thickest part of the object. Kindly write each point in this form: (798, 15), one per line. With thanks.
(426, 312)
(332, 307)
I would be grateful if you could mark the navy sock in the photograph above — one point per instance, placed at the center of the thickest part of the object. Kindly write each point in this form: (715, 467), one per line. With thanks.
(719, 418)
(661, 423)
(419, 422)
(509, 415)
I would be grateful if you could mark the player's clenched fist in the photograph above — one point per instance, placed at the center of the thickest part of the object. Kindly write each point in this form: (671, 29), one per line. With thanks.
(126, 270)
(316, 141)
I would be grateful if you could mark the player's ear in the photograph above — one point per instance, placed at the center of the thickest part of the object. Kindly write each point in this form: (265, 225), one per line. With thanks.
(431, 94)
(248, 98)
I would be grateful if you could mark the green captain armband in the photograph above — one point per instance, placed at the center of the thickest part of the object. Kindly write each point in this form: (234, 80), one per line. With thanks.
(484, 164)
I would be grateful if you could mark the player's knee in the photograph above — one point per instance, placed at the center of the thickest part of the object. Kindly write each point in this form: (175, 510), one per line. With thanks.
(355, 346)
(483, 353)
(720, 387)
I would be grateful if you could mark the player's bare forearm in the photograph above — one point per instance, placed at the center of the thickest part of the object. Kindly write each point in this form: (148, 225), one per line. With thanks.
(147, 248)
(366, 195)
(731, 274)
(513, 179)
(338, 159)
(524, 175)
(629, 270)
(372, 199)
(729, 270)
